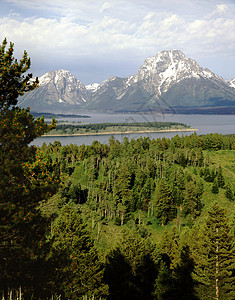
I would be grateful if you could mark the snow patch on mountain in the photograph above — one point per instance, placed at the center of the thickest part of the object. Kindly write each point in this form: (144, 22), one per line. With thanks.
(231, 83)
(44, 79)
(93, 87)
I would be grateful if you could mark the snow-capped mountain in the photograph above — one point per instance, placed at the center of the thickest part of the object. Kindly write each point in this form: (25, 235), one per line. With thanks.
(57, 89)
(170, 79)
(167, 80)
(165, 69)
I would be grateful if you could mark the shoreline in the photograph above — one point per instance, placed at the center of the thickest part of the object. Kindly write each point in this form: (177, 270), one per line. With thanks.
(121, 132)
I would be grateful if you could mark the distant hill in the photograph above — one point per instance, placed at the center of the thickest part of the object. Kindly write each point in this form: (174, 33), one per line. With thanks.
(51, 115)
(166, 81)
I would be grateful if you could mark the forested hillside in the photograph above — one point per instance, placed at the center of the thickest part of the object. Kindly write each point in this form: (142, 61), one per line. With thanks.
(140, 219)
(155, 214)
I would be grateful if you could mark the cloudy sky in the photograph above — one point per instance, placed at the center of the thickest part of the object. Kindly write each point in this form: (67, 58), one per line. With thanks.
(95, 39)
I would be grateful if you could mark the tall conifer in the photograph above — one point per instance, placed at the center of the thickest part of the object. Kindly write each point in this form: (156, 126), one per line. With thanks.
(215, 262)
(165, 210)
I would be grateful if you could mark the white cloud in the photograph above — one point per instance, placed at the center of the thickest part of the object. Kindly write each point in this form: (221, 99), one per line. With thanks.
(96, 28)
(105, 7)
(112, 33)
(221, 8)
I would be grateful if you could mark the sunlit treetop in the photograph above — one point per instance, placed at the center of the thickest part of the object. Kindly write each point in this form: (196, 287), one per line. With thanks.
(12, 81)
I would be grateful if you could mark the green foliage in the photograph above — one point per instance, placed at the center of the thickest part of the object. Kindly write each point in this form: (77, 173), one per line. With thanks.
(215, 261)
(138, 185)
(191, 203)
(228, 192)
(86, 222)
(79, 270)
(12, 81)
(116, 127)
(215, 186)
(175, 266)
(165, 209)
(130, 267)
(26, 178)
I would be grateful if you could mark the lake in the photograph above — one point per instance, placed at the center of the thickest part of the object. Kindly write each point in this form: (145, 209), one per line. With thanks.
(224, 124)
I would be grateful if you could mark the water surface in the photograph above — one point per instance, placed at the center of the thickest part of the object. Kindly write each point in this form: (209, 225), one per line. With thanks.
(224, 124)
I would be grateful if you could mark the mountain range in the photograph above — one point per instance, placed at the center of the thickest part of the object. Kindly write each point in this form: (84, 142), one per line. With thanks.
(167, 81)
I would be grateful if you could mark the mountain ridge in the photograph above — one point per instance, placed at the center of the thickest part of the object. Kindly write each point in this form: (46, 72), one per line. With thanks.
(167, 79)
(56, 88)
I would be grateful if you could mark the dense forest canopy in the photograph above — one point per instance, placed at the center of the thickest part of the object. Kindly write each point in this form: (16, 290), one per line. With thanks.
(137, 219)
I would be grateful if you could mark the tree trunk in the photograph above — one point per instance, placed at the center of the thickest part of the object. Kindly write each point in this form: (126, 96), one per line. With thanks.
(20, 293)
(122, 219)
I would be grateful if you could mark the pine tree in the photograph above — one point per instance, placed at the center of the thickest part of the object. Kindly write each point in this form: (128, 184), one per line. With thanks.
(220, 177)
(165, 209)
(163, 288)
(79, 271)
(137, 267)
(191, 202)
(228, 192)
(22, 185)
(215, 186)
(175, 282)
(182, 276)
(12, 81)
(215, 262)
(175, 265)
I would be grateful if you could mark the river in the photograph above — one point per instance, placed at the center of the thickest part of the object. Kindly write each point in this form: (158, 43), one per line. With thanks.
(224, 124)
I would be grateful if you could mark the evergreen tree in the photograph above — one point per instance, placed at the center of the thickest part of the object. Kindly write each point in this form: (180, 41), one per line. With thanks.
(24, 180)
(228, 192)
(175, 282)
(182, 276)
(200, 187)
(163, 288)
(191, 202)
(118, 275)
(134, 255)
(12, 81)
(208, 176)
(220, 177)
(79, 271)
(215, 186)
(175, 265)
(215, 261)
(165, 209)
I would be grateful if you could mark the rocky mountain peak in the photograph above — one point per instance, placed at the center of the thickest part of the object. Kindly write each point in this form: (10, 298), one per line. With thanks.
(56, 89)
(59, 77)
(166, 68)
